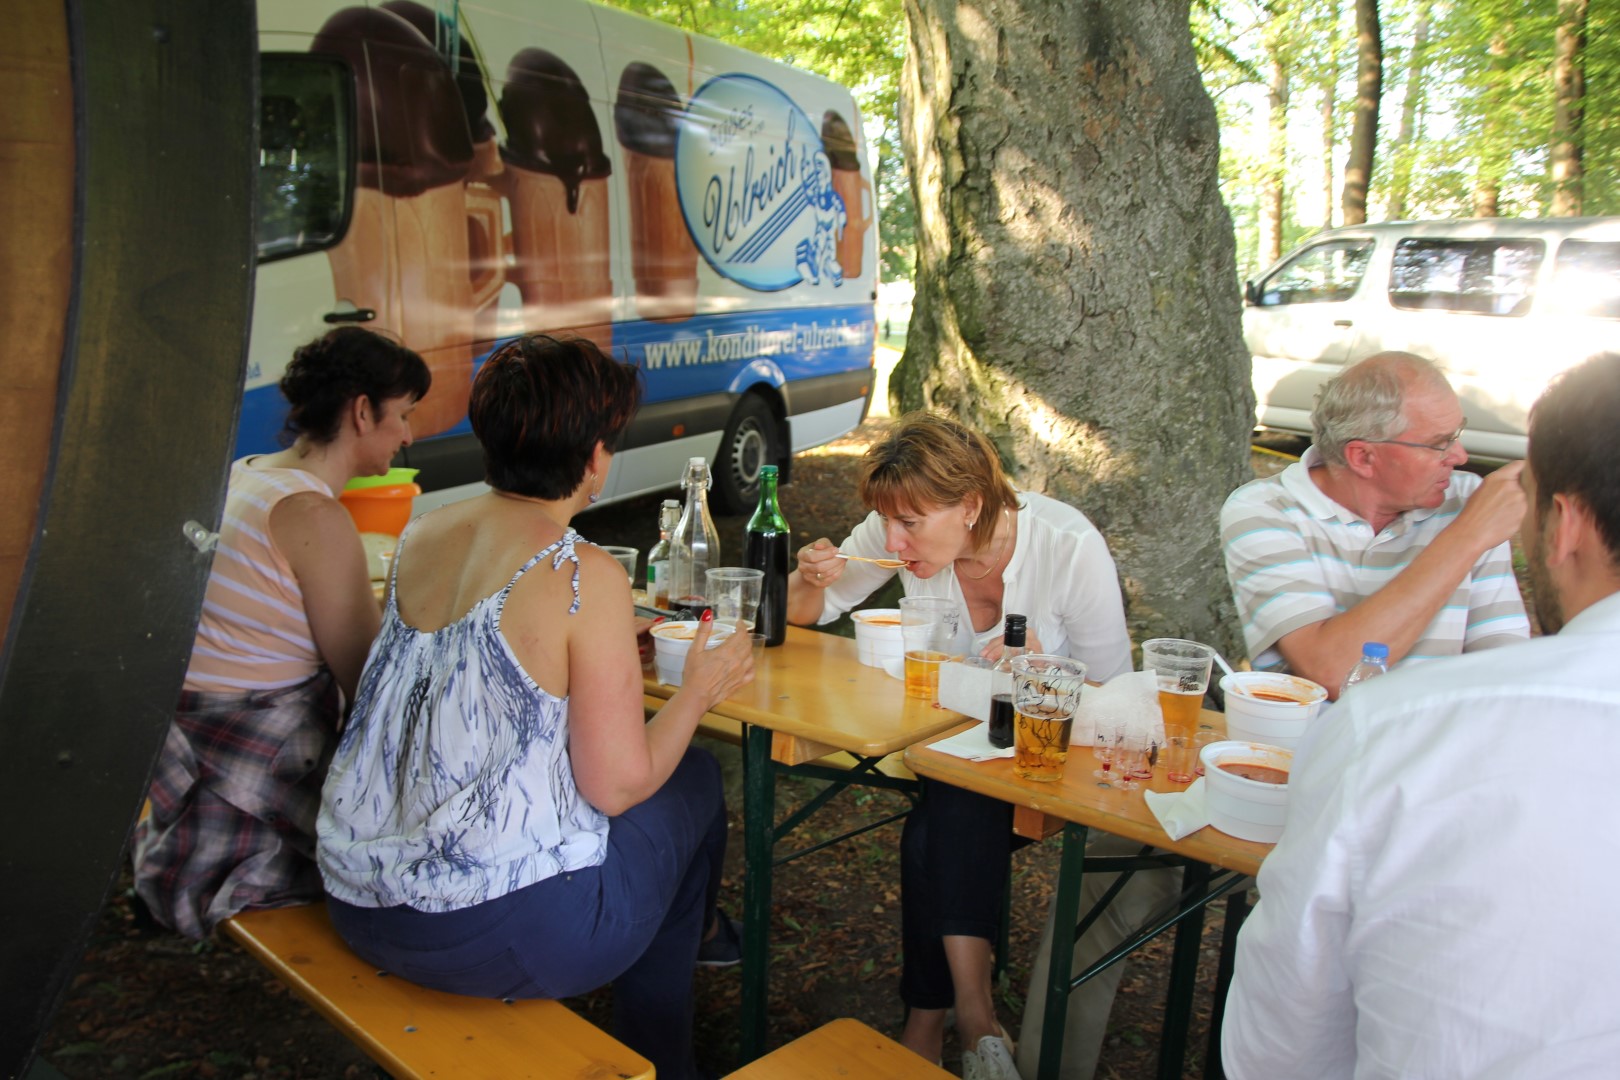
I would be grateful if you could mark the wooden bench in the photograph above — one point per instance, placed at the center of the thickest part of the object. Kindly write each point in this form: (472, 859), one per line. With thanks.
(836, 1051)
(417, 1033)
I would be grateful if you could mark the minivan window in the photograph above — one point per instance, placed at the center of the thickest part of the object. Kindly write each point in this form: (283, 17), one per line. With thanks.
(305, 154)
(1322, 274)
(1480, 277)
(1586, 278)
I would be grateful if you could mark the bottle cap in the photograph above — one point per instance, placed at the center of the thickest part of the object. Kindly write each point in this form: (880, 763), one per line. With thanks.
(767, 470)
(1375, 650)
(1015, 630)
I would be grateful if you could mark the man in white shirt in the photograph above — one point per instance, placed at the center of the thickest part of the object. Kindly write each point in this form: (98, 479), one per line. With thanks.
(1373, 535)
(1442, 901)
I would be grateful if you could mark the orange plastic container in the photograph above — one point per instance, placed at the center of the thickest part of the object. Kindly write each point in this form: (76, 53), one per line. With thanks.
(385, 508)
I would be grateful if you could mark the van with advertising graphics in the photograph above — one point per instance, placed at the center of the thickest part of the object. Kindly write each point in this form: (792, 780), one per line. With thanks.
(1500, 305)
(458, 174)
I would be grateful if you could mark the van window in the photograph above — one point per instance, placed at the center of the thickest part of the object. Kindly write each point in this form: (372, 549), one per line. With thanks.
(1586, 278)
(1480, 277)
(305, 154)
(1322, 274)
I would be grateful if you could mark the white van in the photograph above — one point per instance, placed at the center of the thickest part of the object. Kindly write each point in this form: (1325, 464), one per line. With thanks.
(456, 175)
(1501, 305)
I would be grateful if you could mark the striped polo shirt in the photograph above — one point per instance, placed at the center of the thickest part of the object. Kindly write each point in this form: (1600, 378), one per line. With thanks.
(1295, 557)
(254, 634)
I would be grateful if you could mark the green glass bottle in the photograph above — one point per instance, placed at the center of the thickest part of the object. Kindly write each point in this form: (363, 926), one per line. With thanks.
(766, 549)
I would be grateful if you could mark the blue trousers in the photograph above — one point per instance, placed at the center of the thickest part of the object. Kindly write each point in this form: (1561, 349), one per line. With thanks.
(634, 921)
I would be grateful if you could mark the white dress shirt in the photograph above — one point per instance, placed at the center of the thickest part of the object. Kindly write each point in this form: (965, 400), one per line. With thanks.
(1060, 577)
(1443, 900)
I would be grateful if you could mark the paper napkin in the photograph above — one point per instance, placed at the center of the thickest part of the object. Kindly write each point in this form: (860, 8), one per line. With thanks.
(973, 744)
(1181, 813)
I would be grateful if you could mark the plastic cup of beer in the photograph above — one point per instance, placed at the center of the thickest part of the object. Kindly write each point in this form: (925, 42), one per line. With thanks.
(1182, 668)
(927, 633)
(733, 592)
(1046, 692)
(627, 559)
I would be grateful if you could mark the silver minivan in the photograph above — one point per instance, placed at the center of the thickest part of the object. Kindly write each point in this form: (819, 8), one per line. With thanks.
(1501, 305)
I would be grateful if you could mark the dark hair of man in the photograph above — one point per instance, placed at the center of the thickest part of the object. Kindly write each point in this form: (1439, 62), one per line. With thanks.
(1575, 443)
(540, 404)
(339, 366)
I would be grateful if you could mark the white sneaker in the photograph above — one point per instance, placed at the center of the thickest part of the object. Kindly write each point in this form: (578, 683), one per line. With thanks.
(993, 1060)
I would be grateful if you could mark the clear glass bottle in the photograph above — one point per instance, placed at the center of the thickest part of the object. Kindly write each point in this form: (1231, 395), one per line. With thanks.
(669, 515)
(766, 549)
(1374, 662)
(695, 545)
(1013, 636)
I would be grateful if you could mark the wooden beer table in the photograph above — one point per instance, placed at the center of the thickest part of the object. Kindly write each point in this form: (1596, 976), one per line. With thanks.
(1213, 865)
(811, 697)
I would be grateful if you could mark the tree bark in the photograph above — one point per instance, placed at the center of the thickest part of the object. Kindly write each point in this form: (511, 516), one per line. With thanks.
(1076, 280)
(1273, 185)
(1493, 157)
(1569, 83)
(1400, 183)
(1364, 130)
(1329, 126)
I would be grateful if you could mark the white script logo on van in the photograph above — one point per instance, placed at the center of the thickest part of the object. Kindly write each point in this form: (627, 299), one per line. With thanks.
(756, 187)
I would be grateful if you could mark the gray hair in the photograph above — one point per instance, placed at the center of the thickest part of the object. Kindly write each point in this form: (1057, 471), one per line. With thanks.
(1365, 401)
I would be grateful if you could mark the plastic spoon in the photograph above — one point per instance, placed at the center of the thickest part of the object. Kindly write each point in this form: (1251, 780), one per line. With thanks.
(1237, 683)
(887, 564)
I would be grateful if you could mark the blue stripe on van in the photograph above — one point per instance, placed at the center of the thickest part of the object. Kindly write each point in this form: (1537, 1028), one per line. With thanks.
(705, 354)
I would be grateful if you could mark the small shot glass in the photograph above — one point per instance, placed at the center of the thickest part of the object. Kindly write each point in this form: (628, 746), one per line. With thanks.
(1202, 738)
(1180, 759)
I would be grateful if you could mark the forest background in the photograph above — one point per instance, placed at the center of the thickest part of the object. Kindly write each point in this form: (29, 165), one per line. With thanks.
(1484, 108)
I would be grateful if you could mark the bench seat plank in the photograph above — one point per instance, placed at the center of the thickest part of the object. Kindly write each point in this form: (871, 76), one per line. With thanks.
(417, 1033)
(840, 1050)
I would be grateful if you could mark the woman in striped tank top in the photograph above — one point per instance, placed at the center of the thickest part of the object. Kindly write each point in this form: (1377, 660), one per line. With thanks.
(286, 623)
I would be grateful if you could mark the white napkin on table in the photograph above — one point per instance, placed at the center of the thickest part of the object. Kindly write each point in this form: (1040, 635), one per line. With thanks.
(973, 744)
(1131, 698)
(1181, 813)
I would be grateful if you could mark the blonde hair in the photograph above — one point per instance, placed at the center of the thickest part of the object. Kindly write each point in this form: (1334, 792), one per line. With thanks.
(930, 461)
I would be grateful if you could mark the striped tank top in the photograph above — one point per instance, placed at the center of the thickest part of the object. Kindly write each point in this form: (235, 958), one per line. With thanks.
(254, 633)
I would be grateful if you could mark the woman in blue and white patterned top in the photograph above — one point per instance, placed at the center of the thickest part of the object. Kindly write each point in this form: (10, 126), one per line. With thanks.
(498, 820)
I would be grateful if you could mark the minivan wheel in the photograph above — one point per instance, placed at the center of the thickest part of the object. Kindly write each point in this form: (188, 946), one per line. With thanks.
(752, 440)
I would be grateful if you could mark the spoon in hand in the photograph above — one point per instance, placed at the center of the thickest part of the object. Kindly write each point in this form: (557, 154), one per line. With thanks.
(887, 564)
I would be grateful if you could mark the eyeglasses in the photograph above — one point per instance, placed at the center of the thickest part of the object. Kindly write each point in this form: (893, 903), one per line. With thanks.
(1439, 446)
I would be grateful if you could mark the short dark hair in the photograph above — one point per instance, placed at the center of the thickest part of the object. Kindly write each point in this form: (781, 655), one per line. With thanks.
(339, 366)
(540, 404)
(1575, 443)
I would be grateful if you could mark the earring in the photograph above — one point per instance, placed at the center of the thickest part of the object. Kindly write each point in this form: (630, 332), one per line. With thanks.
(970, 524)
(596, 495)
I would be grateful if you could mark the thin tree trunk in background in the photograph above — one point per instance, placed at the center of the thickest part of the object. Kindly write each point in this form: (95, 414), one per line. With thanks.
(1364, 129)
(1076, 278)
(1401, 175)
(1492, 158)
(1569, 85)
(1330, 201)
(1273, 184)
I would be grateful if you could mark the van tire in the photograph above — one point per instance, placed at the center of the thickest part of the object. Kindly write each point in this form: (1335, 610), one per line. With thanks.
(752, 439)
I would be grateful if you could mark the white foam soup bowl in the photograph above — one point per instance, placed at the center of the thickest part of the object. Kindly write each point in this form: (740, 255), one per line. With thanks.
(877, 635)
(671, 641)
(1276, 710)
(1240, 807)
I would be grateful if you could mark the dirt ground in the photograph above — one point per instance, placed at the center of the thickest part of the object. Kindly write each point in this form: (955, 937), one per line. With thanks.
(147, 1004)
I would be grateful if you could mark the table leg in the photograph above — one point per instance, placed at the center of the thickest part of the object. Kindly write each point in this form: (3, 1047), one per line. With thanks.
(1237, 909)
(1183, 977)
(759, 824)
(1065, 914)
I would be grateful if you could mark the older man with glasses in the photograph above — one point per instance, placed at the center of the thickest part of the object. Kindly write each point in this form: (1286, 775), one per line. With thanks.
(1373, 535)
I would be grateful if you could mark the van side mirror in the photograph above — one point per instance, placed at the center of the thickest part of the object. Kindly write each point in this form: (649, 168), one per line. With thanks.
(1251, 293)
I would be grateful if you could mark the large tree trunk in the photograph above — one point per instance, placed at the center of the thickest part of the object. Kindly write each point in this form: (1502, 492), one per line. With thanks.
(1076, 280)
(1364, 130)
(1401, 175)
(1329, 128)
(1569, 83)
(1273, 185)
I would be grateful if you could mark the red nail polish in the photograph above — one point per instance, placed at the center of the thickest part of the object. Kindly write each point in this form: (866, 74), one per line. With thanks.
(708, 615)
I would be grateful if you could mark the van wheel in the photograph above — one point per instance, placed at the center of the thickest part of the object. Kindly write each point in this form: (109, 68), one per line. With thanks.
(752, 440)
